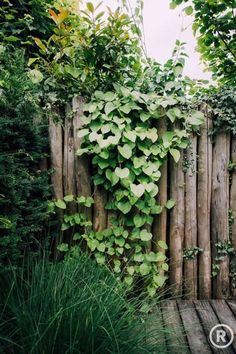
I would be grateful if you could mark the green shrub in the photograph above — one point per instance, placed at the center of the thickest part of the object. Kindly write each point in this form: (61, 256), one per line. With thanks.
(24, 189)
(71, 307)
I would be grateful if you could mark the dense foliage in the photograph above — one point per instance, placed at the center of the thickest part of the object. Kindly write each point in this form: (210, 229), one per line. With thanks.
(214, 23)
(71, 307)
(24, 189)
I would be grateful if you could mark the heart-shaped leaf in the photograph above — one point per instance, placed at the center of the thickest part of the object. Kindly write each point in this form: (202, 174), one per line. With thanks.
(125, 151)
(124, 207)
(145, 235)
(122, 172)
(130, 136)
(137, 190)
(176, 154)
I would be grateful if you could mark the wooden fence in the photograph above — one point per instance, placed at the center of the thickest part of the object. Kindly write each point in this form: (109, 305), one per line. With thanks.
(204, 191)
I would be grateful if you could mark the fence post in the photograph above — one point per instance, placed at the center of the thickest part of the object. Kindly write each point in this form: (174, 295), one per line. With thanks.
(233, 198)
(220, 208)
(56, 144)
(82, 163)
(69, 158)
(190, 237)
(204, 205)
(177, 226)
(160, 221)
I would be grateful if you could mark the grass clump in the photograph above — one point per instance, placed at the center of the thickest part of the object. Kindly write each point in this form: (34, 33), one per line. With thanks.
(74, 306)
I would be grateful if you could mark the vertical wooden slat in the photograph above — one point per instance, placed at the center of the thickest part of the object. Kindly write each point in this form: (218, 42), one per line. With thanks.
(99, 211)
(111, 214)
(82, 163)
(177, 226)
(69, 159)
(160, 221)
(220, 208)
(56, 143)
(203, 206)
(190, 265)
(233, 198)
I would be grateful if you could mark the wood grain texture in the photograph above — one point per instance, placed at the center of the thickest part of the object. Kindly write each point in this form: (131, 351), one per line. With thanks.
(225, 315)
(190, 236)
(220, 208)
(99, 211)
(209, 319)
(177, 216)
(204, 206)
(56, 155)
(176, 339)
(195, 334)
(233, 199)
(159, 227)
(69, 159)
(82, 163)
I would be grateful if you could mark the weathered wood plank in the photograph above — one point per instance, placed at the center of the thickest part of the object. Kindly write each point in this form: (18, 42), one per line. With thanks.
(190, 236)
(69, 159)
(220, 208)
(56, 143)
(156, 330)
(175, 335)
(177, 226)
(233, 200)
(159, 227)
(232, 305)
(209, 319)
(99, 211)
(225, 315)
(203, 206)
(195, 334)
(82, 163)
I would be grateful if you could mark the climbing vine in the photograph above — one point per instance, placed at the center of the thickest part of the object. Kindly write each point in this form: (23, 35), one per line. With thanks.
(120, 132)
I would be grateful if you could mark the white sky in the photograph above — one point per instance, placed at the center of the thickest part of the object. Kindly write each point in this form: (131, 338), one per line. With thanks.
(162, 27)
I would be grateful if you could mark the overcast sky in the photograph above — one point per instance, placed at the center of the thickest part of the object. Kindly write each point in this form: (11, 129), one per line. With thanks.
(162, 27)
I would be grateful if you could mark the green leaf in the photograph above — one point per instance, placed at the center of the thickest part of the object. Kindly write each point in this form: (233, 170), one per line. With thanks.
(124, 207)
(60, 204)
(197, 118)
(137, 190)
(126, 108)
(144, 269)
(176, 154)
(122, 172)
(83, 132)
(162, 244)
(63, 247)
(159, 280)
(101, 247)
(100, 258)
(69, 198)
(165, 267)
(188, 10)
(145, 235)
(109, 107)
(151, 257)
(112, 177)
(36, 76)
(90, 7)
(170, 204)
(139, 220)
(109, 96)
(128, 280)
(125, 151)
(161, 257)
(32, 60)
(130, 135)
(138, 257)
